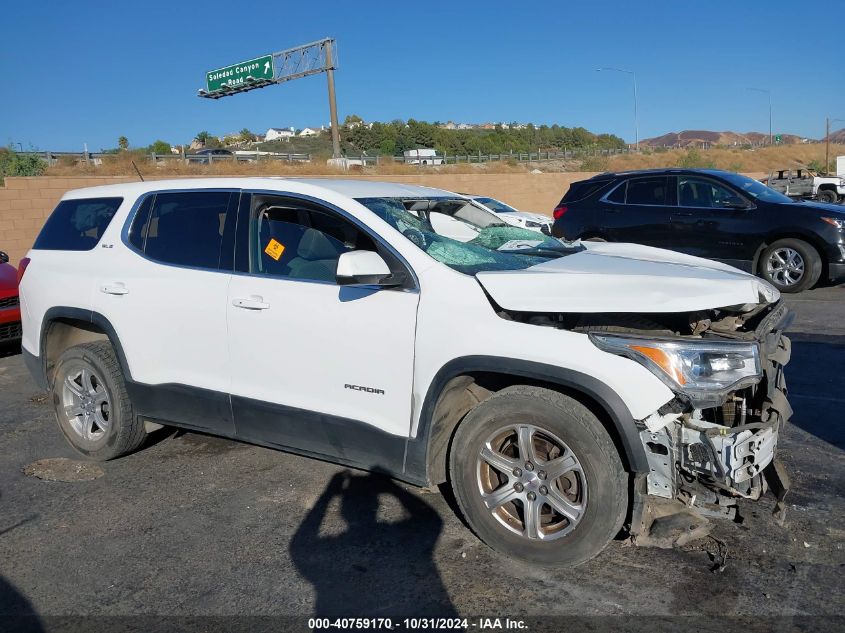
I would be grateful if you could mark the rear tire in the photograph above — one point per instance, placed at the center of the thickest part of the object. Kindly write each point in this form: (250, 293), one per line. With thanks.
(534, 435)
(790, 265)
(92, 406)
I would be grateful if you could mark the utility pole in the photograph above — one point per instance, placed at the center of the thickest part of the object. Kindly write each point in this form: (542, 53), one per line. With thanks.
(769, 93)
(826, 144)
(332, 101)
(827, 123)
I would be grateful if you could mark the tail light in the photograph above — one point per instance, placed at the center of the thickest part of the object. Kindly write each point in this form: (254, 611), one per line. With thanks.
(22, 268)
(559, 211)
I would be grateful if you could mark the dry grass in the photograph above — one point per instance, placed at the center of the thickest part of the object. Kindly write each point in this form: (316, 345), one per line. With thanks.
(742, 160)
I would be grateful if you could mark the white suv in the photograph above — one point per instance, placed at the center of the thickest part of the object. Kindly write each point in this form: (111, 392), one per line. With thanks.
(553, 385)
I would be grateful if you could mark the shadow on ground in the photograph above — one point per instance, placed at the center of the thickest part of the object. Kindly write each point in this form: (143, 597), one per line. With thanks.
(354, 570)
(16, 612)
(816, 379)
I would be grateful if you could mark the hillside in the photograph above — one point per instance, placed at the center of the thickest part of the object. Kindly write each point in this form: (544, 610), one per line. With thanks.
(728, 139)
(837, 137)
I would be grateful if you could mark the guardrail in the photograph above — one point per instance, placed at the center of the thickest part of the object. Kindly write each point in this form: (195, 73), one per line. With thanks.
(53, 158)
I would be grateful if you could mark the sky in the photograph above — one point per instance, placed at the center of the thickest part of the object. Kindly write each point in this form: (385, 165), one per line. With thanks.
(86, 72)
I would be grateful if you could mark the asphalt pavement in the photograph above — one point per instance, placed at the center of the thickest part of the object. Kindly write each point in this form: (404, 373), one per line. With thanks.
(196, 525)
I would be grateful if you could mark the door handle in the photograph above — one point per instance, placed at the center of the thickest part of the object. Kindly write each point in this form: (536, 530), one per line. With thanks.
(117, 288)
(250, 303)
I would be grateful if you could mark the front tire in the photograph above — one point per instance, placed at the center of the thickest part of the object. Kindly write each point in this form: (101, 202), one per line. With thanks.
(790, 265)
(537, 477)
(92, 406)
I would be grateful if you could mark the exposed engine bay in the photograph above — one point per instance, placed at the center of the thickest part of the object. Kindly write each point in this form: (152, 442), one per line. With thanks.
(705, 449)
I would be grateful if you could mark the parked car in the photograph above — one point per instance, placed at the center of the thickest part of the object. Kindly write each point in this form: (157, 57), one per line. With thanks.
(709, 213)
(553, 386)
(10, 312)
(524, 219)
(806, 185)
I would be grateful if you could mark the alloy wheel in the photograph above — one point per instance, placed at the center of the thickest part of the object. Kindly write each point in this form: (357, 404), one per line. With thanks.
(785, 266)
(531, 482)
(86, 404)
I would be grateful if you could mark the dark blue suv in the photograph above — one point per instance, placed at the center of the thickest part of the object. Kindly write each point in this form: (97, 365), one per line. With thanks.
(710, 213)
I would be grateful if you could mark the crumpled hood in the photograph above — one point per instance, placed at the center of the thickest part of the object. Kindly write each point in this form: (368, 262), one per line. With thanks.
(625, 278)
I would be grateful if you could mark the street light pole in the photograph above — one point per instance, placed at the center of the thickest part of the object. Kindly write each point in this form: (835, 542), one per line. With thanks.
(768, 92)
(636, 114)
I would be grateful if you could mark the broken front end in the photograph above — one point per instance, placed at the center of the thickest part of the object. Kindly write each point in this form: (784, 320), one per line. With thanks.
(715, 442)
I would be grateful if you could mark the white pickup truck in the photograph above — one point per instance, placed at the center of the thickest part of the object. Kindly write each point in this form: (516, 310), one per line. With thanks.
(804, 183)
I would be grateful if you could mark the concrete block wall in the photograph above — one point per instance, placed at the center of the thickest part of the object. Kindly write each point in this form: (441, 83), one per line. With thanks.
(26, 202)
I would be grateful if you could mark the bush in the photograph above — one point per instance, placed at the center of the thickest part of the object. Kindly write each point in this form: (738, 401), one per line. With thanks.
(818, 167)
(14, 164)
(694, 159)
(595, 163)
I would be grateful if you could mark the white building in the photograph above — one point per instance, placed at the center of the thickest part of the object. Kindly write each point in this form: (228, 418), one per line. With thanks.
(276, 133)
(422, 156)
(311, 131)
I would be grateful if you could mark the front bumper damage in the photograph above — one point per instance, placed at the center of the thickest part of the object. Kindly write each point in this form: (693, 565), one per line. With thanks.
(702, 461)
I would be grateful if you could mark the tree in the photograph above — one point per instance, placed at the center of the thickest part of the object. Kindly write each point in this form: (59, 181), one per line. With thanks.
(123, 143)
(160, 147)
(203, 137)
(352, 118)
(246, 136)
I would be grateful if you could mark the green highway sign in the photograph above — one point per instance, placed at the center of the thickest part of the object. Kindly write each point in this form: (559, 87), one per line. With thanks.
(240, 74)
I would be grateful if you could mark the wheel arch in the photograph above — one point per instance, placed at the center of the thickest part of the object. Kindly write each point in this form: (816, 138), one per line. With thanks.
(462, 383)
(63, 327)
(794, 234)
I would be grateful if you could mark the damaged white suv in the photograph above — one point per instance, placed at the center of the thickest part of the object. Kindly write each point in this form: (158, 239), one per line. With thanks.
(563, 390)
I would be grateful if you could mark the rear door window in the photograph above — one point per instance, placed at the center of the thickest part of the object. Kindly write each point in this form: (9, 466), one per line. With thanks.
(77, 225)
(186, 228)
(648, 191)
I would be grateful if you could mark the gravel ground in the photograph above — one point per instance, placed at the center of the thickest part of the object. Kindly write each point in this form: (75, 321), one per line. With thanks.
(196, 525)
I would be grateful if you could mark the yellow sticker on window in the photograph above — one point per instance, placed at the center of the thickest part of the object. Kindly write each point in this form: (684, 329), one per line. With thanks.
(274, 249)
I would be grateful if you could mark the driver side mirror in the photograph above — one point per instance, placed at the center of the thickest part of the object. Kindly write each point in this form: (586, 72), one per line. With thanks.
(365, 268)
(4, 258)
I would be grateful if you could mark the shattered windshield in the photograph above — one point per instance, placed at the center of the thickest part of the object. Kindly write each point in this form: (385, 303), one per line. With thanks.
(463, 236)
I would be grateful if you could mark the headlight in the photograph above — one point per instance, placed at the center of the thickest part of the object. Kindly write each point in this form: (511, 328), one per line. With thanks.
(702, 370)
(837, 222)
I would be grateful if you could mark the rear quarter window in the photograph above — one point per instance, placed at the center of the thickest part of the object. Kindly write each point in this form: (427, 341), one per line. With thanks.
(77, 225)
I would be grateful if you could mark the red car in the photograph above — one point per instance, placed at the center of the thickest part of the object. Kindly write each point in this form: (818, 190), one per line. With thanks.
(10, 309)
